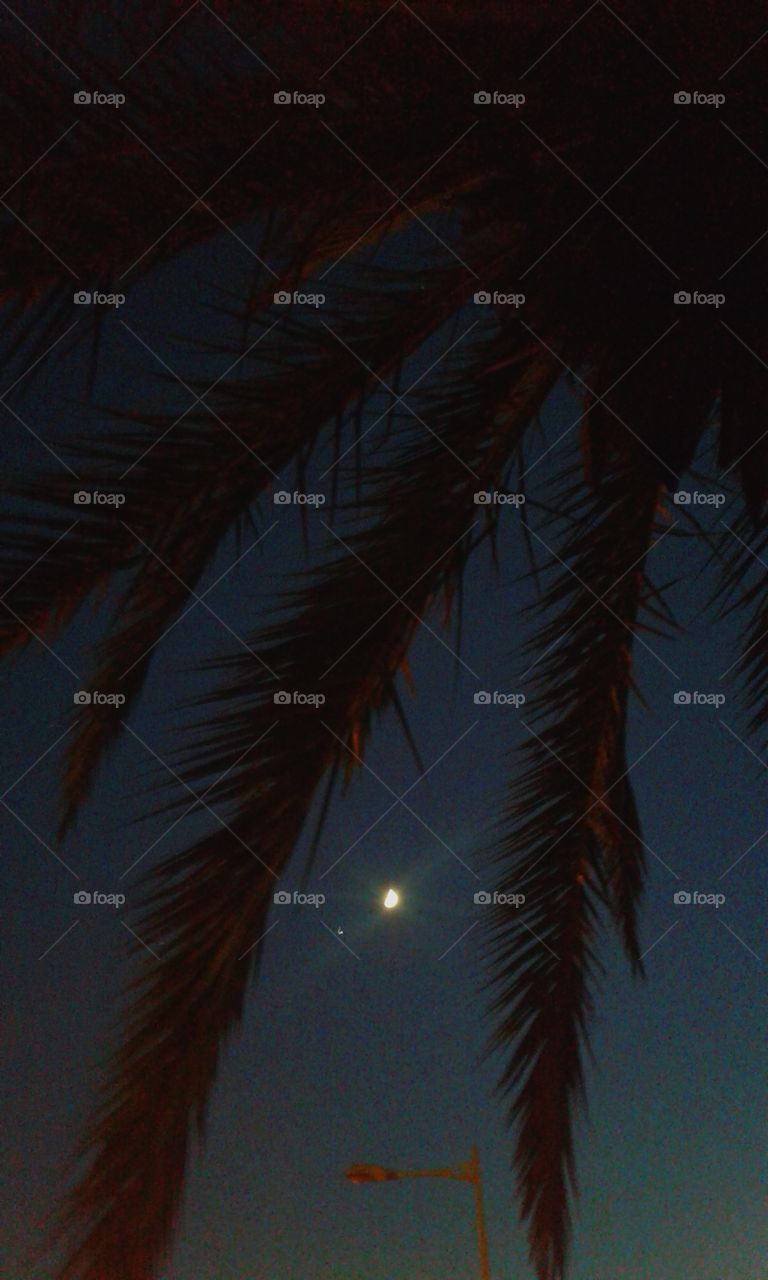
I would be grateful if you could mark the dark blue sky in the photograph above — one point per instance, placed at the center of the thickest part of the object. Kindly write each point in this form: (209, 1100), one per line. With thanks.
(371, 1050)
(367, 1044)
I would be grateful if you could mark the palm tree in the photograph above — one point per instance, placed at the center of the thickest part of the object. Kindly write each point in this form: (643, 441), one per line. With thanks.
(599, 200)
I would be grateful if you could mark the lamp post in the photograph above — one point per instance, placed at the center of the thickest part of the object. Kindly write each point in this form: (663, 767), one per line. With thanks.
(467, 1172)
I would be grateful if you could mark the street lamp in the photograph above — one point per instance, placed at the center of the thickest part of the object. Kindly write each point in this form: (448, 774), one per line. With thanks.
(468, 1172)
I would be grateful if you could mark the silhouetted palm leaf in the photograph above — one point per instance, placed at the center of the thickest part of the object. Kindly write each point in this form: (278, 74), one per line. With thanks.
(575, 846)
(204, 923)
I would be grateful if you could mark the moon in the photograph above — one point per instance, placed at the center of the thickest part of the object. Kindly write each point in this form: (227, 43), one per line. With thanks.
(391, 899)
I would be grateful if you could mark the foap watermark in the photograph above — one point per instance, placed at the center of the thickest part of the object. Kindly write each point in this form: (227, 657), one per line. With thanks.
(86, 97)
(486, 98)
(289, 97)
(283, 898)
(292, 698)
(284, 298)
(483, 898)
(698, 498)
(499, 699)
(97, 899)
(693, 698)
(94, 698)
(86, 298)
(684, 298)
(97, 498)
(483, 298)
(492, 497)
(283, 499)
(685, 899)
(696, 99)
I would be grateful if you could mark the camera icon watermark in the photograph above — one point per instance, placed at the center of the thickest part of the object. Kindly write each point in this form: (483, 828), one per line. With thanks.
(97, 497)
(497, 899)
(698, 498)
(282, 498)
(84, 298)
(82, 98)
(688, 698)
(483, 98)
(88, 698)
(498, 699)
(285, 98)
(497, 299)
(685, 99)
(285, 299)
(82, 898)
(685, 899)
(493, 498)
(292, 697)
(684, 298)
(282, 898)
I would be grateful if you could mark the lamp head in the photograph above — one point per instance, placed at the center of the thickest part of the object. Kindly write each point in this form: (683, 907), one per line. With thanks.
(369, 1173)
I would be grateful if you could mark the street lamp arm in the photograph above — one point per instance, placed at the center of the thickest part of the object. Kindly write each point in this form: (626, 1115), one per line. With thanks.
(453, 1171)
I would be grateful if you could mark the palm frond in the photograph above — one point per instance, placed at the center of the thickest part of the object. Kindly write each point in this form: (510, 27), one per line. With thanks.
(260, 425)
(186, 484)
(109, 200)
(206, 909)
(574, 847)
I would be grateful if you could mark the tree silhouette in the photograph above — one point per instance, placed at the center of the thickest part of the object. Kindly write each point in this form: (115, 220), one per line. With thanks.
(600, 198)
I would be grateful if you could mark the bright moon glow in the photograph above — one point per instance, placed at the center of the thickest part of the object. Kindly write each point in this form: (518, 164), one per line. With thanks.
(391, 899)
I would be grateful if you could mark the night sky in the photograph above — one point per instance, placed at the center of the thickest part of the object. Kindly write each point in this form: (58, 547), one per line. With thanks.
(365, 1034)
